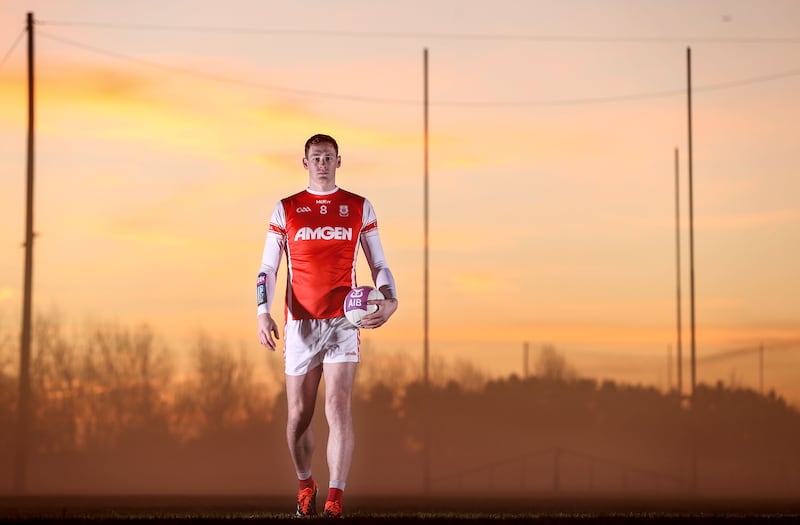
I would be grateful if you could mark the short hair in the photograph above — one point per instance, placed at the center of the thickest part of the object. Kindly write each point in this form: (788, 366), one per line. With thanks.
(319, 138)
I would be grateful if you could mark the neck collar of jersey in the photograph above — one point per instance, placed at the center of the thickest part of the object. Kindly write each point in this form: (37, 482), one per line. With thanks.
(314, 192)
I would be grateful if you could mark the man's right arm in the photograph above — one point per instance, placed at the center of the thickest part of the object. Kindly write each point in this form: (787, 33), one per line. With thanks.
(267, 276)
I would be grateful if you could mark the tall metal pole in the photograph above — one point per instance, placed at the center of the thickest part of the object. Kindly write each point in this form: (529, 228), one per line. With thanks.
(526, 352)
(669, 368)
(23, 403)
(679, 346)
(761, 368)
(691, 216)
(426, 346)
(693, 411)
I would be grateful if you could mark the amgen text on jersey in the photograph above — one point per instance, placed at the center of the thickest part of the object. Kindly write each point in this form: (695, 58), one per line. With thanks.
(324, 233)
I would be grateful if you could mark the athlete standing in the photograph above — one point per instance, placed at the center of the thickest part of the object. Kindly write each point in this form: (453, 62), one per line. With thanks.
(320, 229)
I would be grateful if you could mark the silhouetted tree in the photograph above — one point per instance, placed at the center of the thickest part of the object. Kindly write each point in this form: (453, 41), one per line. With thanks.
(221, 393)
(110, 417)
(127, 377)
(8, 405)
(7, 372)
(392, 370)
(56, 389)
(467, 375)
(551, 364)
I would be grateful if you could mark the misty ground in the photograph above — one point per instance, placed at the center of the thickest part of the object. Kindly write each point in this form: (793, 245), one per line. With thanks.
(439, 509)
(108, 415)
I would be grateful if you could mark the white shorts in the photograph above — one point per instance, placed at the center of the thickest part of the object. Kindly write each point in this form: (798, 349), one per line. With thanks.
(309, 343)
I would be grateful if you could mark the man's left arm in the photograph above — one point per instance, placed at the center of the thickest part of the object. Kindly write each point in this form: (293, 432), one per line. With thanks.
(383, 279)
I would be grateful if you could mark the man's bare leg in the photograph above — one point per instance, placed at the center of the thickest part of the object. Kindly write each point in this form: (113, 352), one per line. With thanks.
(339, 379)
(301, 396)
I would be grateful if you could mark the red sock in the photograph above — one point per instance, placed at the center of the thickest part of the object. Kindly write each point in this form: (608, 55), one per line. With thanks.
(335, 494)
(305, 483)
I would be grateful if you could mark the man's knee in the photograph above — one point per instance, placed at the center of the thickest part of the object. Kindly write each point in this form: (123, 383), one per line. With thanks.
(338, 408)
(299, 418)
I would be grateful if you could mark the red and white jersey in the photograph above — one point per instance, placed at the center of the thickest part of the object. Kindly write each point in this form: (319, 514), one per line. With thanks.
(321, 234)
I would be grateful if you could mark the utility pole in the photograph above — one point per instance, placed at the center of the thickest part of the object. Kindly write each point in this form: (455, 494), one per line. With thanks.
(669, 369)
(691, 215)
(23, 402)
(426, 477)
(425, 218)
(526, 353)
(678, 274)
(693, 406)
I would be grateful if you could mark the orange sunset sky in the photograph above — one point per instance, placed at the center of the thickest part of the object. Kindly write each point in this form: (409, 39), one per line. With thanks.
(166, 133)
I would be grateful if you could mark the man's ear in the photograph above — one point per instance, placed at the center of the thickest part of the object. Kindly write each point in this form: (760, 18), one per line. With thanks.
(305, 163)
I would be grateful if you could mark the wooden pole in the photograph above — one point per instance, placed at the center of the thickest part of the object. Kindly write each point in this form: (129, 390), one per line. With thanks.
(23, 402)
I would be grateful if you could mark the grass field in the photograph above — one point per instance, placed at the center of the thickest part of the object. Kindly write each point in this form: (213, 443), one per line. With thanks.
(564, 509)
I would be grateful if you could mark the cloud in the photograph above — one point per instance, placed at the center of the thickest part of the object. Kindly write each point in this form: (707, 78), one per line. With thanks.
(162, 111)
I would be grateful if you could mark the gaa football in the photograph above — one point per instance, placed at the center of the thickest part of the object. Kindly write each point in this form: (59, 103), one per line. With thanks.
(355, 303)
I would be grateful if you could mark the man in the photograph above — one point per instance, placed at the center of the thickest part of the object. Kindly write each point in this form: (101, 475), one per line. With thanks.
(320, 229)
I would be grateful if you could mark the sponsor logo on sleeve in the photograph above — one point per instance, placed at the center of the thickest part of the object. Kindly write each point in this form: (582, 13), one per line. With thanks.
(261, 289)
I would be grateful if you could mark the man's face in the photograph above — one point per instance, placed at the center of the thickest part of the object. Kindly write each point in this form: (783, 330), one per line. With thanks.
(321, 163)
